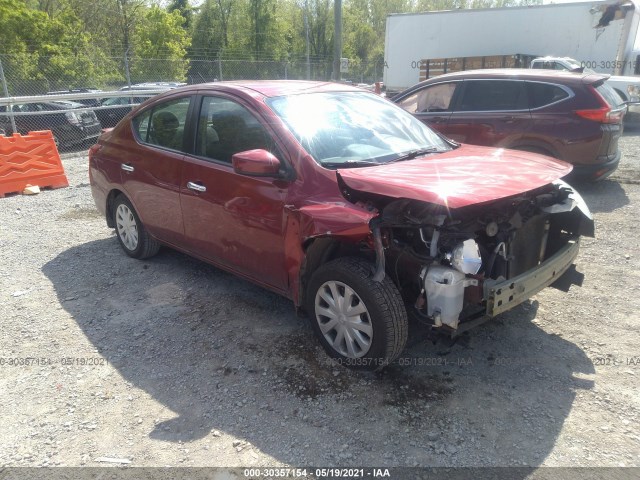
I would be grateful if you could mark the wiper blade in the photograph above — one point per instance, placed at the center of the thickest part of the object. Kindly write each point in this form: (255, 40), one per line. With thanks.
(349, 164)
(416, 153)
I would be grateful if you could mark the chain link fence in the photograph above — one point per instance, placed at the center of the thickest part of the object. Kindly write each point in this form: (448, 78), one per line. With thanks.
(96, 92)
(32, 74)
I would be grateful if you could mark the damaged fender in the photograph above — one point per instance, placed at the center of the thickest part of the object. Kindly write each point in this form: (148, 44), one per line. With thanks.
(336, 220)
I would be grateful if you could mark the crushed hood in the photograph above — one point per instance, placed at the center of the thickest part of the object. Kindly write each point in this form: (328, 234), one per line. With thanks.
(465, 176)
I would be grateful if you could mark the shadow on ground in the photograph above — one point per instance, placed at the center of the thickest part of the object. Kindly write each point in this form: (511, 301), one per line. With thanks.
(226, 355)
(603, 196)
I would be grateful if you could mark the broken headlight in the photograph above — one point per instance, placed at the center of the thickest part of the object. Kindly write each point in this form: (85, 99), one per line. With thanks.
(465, 257)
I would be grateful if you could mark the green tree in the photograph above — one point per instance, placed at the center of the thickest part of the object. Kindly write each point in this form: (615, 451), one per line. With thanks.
(321, 27)
(161, 44)
(211, 27)
(185, 10)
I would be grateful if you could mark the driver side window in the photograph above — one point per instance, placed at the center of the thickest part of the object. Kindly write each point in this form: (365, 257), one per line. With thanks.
(435, 98)
(226, 127)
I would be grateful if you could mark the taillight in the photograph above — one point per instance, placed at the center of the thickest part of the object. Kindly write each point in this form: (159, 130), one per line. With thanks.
(93, 149)
(73, 118)
(603, 114)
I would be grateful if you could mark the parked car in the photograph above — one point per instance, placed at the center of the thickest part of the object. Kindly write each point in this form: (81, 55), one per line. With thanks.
(628, 87)
(153, 86)
(88, 102)
(570, 116)
(71, 123)
(341, 201)
(114, 109)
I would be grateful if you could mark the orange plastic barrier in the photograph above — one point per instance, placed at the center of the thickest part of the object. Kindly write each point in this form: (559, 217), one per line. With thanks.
(31, 159)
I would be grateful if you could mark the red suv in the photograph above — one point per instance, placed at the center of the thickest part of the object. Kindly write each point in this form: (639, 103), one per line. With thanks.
(570, 116)
(342, 202)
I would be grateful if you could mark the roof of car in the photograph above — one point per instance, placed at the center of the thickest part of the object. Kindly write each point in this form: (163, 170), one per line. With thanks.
(523, 73)
(276, 88)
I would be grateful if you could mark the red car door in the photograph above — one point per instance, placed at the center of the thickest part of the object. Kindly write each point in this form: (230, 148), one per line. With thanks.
(490, 112)
(233, 220)
(151, 168)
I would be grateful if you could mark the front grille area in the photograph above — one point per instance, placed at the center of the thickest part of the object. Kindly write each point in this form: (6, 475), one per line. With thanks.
(527, 248)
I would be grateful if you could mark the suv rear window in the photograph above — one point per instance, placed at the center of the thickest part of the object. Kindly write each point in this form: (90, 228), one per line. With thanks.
(610, 95)
(541, 94)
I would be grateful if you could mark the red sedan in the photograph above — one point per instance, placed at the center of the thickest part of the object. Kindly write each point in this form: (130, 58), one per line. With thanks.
(342, 202)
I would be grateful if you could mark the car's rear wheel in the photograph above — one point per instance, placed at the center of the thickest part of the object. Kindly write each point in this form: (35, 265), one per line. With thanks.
(133, 237)
(360, 322)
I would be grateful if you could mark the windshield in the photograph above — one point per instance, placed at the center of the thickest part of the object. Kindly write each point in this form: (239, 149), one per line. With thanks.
(350, 129)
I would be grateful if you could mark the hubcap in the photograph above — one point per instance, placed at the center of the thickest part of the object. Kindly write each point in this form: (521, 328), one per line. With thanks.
(127, 227)
(343, 319)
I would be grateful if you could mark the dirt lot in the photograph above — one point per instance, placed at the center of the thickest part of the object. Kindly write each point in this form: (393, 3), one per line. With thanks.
(173, 362)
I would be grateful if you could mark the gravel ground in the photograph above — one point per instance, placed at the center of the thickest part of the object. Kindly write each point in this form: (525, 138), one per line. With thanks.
(170, 361)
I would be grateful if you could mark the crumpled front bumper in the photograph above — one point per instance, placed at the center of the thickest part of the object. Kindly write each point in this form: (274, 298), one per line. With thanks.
(504, 295)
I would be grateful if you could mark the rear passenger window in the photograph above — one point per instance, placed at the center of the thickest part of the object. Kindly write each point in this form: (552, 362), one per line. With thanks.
(164, 125)
(226, 128)
(493, 95)
(610, 95)
(541, 94)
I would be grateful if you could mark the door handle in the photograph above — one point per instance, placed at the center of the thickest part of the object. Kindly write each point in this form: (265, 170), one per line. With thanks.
(508, 119)
(127, 167)
(196, 186)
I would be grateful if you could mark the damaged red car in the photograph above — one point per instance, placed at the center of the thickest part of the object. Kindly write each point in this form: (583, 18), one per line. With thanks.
(342, 202)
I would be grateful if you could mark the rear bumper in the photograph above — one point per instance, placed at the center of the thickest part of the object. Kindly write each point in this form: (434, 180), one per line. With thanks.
(505, 295)
(76, 135)
(597, 171)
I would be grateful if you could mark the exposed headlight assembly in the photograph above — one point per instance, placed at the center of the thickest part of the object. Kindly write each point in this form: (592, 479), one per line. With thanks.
(465, 257)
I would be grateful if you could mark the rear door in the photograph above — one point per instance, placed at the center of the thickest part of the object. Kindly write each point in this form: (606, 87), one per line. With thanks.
(490, 112)
(433, 104)
(151, 168)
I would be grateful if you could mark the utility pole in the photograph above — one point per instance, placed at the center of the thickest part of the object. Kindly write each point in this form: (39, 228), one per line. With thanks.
(5, 90)
(127, 73)
(306, 32)
(337, 40)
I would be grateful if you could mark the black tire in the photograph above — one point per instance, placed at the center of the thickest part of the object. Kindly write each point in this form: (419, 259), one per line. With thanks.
(124, 215)
(385, 314)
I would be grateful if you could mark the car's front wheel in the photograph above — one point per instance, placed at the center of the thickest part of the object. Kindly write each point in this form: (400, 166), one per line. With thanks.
(360, 322)
(133, 237)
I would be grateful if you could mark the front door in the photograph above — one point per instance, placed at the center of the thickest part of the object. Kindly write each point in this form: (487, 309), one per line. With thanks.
(230, 219)
(433, 104)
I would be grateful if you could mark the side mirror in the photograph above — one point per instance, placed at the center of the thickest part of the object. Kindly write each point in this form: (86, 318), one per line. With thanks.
(256, 163)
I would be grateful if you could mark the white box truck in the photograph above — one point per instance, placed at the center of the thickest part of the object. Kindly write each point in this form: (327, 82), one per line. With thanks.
(601, 35)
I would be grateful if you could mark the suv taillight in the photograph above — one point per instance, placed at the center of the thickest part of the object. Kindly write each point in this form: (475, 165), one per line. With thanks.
(604, 114)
